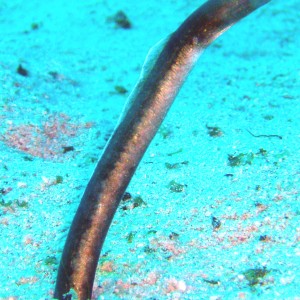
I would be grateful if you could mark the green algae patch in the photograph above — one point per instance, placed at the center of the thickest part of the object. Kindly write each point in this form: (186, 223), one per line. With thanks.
(255, 276)
(170, 166)
(50, 261)
(130, 236)
(214, 131)
(138, 201)
(241, 159)
(164, 132)
(176, 187)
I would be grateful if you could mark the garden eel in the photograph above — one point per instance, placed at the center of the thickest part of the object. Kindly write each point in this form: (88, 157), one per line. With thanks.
(164, 72)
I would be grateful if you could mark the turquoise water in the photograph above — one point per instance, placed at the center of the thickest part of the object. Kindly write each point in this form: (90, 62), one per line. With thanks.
(228, 149)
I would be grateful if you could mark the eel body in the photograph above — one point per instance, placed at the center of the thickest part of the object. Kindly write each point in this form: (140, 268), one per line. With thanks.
(146, 108)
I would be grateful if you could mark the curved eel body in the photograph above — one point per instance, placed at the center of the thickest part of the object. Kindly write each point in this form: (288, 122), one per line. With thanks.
(145, 111)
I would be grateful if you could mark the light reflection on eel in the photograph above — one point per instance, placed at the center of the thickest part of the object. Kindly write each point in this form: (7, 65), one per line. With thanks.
(164, 72)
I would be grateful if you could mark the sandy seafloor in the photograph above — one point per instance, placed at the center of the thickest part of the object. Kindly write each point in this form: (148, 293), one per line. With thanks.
(56, 120)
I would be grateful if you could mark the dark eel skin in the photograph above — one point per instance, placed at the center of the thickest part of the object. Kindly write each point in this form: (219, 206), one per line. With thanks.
(144, 113)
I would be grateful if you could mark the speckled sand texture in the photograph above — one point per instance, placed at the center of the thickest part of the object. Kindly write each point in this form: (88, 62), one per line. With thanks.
(214, 210)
